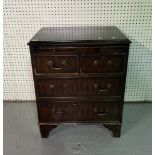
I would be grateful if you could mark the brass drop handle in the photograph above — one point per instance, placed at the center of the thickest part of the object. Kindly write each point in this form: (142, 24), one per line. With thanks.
(63, 62)
(108, 86)
(54, 50)
(58, 111)
(95, 62)
(64, 85)
(109, 62)
(95, 85)
(51, 86)
(101, 113)
(50, 64)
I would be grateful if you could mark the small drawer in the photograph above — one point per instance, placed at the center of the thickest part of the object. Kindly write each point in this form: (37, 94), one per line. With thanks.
(57, 87)
(80, 87)
(99, 111)
(64, 111)
(102, 63)
(62, 50)
(58, 111)
(56, 64)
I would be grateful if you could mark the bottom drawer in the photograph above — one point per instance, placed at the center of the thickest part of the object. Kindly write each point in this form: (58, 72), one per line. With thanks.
(70, 111)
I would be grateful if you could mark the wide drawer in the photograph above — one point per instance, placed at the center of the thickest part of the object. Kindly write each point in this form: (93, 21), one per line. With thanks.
(80, 87)
(104, 63)
(65, 111)
(56, 64)
(69, 50)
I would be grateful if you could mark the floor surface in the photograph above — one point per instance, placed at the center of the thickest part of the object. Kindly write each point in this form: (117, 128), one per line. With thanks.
(22, 136)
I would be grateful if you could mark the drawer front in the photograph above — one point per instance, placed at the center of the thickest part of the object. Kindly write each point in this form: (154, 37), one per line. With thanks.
(78, 111)
(57, 111)
(56, 64)
(102, 63)
(80, 87)
(64, 50)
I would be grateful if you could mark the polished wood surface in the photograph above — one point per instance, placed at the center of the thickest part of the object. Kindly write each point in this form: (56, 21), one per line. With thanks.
(69, 111)
(79, 76)
(56, 64)
(100, 63)
(96, 34)
(79, 87)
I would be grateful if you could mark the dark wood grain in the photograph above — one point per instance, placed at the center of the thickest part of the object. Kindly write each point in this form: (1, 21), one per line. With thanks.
(66, 111)
(79, 75)
(56, 64)
(77, 48)
(102, 63)
(96, 34)
(79, 87)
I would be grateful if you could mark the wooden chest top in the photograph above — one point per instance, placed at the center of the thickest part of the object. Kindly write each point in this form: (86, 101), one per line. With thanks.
(84, 35)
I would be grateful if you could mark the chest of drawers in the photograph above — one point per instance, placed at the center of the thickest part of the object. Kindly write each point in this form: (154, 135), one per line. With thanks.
(79, 76)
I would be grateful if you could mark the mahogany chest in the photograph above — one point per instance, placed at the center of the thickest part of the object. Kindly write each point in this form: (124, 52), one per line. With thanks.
(79, 76)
